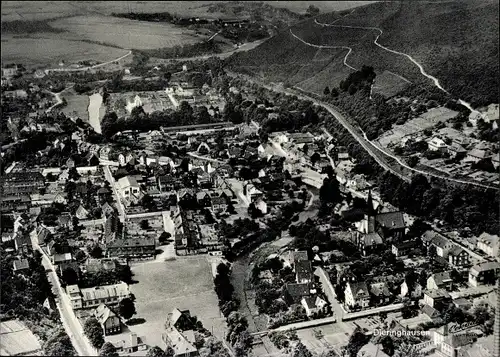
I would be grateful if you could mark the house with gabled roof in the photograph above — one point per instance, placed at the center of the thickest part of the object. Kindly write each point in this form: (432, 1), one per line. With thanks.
(458, 257)
(21, 266)
(313, 304)
(295, 292)
(82, 213)
(483, 273)
(440, 280)
(357, 295)
(109, 321)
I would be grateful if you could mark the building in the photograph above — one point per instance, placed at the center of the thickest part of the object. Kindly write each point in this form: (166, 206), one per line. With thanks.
(357, 295)
(22, 183)
(130, 345)
(401, 249)
(380, 293)
(458, 257)
(476, 155)
(390, 225)
(128, 187)
(371, 350)
(436, 298)
(17, 340)
(414, 291)
(109, 321)
(21, 266)
(483, 273)
(370, 243)
(88, 298)
(178, 333)
(488, 244)
(441, 280)
(132, 248)
(313, 304)
(219, 204)
(442, 245)
(182, 343)
(295, 292)
(303, 272)
(437, 144)
(22, 243)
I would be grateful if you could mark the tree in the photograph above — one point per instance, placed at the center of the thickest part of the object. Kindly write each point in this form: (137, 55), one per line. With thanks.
(126, 308)
(93, 330)
(156, 352)
(301, 351)
(169, 352)
(108, 349)
(59, 344)
(357, 340)
(326, 91)
(144, 224)
(312, 10)
(315, 158)
(164, 237)
(70, 276)
(95, 251)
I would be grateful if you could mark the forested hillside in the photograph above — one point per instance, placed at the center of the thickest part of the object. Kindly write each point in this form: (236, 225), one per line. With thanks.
(457, 42)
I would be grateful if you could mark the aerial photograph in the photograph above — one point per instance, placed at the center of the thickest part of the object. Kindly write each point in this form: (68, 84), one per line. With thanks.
(250, 178)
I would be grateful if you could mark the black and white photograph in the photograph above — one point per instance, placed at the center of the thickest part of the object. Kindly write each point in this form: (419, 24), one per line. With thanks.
(250, 178)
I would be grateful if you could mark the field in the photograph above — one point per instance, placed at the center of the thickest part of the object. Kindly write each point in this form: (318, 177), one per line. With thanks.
(426, 120)
(77, 105)
(41, 52)
(185, 283)
(126, 33)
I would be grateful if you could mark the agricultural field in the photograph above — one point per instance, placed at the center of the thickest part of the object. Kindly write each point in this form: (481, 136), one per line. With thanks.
(42, 51)
(77, 105)
(184, 283)
(426, 120)
(124, 33)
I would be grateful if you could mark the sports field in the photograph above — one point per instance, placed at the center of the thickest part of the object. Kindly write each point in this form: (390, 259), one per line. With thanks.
(184, 283)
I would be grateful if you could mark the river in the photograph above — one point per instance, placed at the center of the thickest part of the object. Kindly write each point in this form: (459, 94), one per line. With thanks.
(95, 112)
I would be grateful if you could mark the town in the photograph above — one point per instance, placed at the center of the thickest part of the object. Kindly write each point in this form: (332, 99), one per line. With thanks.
(185, 210)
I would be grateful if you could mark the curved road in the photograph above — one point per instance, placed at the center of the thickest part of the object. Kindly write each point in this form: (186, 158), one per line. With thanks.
(374, 151)
(420, 67)
(329, 47)
(87, 68)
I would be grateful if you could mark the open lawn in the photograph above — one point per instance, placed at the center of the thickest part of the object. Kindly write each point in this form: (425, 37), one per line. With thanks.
(77, 105)
(389, 84)
(335, 336)
(126, 33)
(49, 51)
(184, 283)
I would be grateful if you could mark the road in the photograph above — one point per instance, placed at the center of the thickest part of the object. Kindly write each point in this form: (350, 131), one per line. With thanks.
(111, 180)
(69, 320)
(58, 98)
(374, 151)
(87, 68)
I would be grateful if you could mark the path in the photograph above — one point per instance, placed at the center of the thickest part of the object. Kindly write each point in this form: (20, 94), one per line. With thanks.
(59, 100)
(330, 47)
(196, 156)
(87, 68)
(420, 67)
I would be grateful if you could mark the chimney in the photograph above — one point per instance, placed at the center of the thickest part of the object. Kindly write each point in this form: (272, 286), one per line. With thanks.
(133, 339)
(496, 326)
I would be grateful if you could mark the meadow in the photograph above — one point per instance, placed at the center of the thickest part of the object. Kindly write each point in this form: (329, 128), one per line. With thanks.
(77, 105)
(42, 51)
(126, 33)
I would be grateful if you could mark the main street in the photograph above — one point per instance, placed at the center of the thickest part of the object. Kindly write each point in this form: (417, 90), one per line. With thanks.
(69, 320)
(111, 180)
